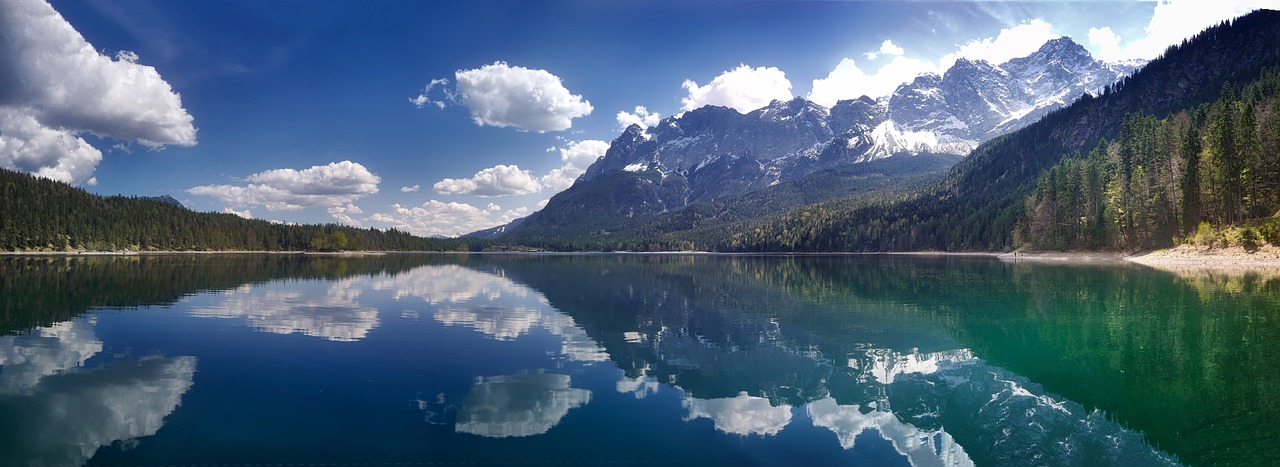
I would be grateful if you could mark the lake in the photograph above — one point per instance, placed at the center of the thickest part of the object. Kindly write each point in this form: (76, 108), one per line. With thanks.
(421, 359)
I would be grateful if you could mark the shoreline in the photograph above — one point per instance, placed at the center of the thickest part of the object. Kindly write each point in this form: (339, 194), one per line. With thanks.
(174, 252)
(1180, 258)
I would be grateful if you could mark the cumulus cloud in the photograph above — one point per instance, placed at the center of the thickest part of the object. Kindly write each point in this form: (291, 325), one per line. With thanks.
(502, 95)
(335, 184)
(54, 85)
(439, 219)
(575, 158)
(342, 214)
(499, 180)
(28, 146)
(641, 117)
(245, 213)
(1171, 22)
(1106, 42)
(410, 189)
(743, 88)
(1017, 41)
(847, 81)
(493, 207)
(886, 48)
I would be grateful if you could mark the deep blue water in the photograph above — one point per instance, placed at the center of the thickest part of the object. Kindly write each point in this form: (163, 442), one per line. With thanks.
(430, 359)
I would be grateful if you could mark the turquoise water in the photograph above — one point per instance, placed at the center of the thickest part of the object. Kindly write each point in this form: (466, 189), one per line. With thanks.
(597, 359)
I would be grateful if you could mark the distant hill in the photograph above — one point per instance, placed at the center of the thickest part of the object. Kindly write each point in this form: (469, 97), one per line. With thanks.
(38, 214)
(163, 199)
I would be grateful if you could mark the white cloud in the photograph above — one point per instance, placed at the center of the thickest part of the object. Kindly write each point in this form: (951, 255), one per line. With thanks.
(28, 146)
(847, 81)
(743, 88)
(499, 180)
(424, 97)
(886, 48)
(493, 207)
(1175, 20)
(438, 219)
(335, 184)
(245, 213)
(54, 85)
(1105, 42)
(410, 189)
(342, 214)
(512, 96)
(575, 158)
(641, 117)
(1017, 41)
(742, 415)
(543, 203)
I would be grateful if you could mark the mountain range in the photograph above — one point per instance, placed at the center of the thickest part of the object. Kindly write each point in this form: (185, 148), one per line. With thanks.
(714, 152)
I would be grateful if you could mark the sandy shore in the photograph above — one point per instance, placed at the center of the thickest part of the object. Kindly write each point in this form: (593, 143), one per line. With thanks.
(1188, 257)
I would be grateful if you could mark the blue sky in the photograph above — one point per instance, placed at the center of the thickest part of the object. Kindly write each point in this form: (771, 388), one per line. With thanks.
(304, 111)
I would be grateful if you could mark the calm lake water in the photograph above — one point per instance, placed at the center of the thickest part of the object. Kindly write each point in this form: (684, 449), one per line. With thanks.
(599, 359)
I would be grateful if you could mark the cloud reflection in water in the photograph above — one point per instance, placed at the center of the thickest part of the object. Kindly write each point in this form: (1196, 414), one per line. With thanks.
(525, 404)
(55, 412)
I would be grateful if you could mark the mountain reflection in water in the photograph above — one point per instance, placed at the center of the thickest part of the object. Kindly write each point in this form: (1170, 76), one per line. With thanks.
(598, 358)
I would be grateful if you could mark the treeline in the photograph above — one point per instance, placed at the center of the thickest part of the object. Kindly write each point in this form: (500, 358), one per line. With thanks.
(1216, 164)
(38, 214)
(981, 205)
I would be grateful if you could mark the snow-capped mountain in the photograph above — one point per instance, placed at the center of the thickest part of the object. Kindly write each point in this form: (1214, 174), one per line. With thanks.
(715, 151)
(720, 151)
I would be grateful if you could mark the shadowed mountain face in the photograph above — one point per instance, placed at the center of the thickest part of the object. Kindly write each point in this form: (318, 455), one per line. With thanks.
(713, 152)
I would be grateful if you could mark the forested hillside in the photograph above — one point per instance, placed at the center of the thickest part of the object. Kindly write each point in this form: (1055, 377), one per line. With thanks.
(1165, 180)
(38, 214)
(983, 201)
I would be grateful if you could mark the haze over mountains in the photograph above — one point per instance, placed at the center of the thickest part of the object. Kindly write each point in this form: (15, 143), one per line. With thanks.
(713, 152)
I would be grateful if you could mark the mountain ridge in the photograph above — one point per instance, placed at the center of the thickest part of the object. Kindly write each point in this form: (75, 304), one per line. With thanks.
(717, 151)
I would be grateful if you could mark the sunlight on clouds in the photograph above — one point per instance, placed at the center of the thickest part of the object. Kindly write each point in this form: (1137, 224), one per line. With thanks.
(410, 189)
(1175, 20)
(512, 96)
(499, 180)
(1018, 41)
(641, 117)
(847, 81)
(245, 213)
(55, 85)
(342, 214)
(886, 48)
(335, 184)
(575, 157)
(1106, 42)
(743, 89)
(438, 219)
